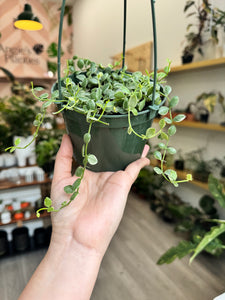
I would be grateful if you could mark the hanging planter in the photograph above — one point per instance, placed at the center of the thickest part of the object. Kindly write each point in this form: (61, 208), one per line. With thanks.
(109, 112)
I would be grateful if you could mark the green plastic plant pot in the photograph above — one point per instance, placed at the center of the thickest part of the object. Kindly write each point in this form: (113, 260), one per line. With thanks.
(111, 144)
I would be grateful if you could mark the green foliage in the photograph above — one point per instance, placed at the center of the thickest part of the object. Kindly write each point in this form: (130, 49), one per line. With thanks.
(208, 18)
(204, 235)
(93, 90)
(181, 250)
(18, 111)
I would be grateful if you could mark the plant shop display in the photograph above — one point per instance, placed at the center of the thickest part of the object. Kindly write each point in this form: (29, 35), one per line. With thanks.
(199, 166)
(207, 236)
(108, 113)
(208, 18)
(48, 143)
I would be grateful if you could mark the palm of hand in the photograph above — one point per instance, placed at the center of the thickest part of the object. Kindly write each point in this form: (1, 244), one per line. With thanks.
(93, 217)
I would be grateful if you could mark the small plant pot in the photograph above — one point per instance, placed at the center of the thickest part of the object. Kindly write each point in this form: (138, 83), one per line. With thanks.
(21, 240)
(204, 118)
(222, 173)
(179, 164)
(4, 244)
(186, 59)
(200, 176)
(48, 167)
(40, 237)
(111, 144)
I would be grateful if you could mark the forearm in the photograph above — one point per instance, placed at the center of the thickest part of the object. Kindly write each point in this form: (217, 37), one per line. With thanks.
(68, 271)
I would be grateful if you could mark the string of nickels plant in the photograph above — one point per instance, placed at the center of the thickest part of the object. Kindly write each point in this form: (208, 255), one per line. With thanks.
(79, 173)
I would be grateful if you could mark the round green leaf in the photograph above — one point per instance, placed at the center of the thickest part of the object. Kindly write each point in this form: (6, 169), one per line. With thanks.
(158, 155)
(80, 63)
(150, 132)
(47, 202)
(163, 136)
(162, 146)
(92, 159)
(163, 110)
(162, 123)
(87, 138)
(38, 89)
(79, 171)
(76, 184)
(158, 170)
(174, 101)
(68, 189)
(179, 118)
(172, 130)
(17, 141)
(171, 150)
(132, 102)
(167, 120)
(171, 174)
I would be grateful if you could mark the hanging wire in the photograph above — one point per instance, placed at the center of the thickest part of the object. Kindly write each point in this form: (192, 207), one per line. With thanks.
(59, 47)
(124, 32)
(155, 48)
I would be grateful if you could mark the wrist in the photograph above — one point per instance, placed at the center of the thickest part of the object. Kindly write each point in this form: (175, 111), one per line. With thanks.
(68, 271)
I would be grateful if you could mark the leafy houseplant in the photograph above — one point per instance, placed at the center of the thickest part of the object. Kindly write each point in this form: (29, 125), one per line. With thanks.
(208, 19)
(209, 101)
(98, 96)
(211, 239)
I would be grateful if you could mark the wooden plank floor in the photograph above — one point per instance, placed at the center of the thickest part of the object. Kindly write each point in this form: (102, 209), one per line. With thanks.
(129, 270)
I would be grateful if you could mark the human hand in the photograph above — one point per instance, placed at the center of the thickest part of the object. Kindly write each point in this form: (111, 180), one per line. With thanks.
(93, 217)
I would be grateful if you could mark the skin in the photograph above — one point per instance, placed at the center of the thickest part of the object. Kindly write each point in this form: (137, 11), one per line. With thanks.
(82, 231)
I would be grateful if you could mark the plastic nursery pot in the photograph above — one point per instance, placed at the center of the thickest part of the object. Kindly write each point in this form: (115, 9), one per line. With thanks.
(4, 244)
(179, 164)
(186, 59)
(111, 144)
(21, 240)
(40, 237)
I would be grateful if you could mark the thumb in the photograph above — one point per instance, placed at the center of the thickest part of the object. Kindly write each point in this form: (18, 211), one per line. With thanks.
(134, 168)
(63, 162)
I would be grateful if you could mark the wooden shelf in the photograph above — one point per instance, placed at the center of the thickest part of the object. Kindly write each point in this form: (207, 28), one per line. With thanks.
(32, 217)
(6, 184)
(217, 62)
(30, 79)
(199, 125)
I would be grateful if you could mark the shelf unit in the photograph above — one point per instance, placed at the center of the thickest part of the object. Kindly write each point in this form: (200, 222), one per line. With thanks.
(6, 184)
(20, 222)
(217, 62)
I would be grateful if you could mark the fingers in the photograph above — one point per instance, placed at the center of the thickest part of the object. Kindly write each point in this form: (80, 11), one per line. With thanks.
(145, 151)
(63, 161)
(134, 168)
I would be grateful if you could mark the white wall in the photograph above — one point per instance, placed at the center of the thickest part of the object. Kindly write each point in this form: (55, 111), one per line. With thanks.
(98, 27)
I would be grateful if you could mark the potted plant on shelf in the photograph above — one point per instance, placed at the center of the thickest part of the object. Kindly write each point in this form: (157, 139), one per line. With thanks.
(207, 230)
(209, 20)
(17, 113)
(46, 149)
(108, 113)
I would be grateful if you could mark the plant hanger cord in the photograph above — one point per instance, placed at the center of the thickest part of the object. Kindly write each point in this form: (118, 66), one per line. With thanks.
(124, 32)
(154, 42)
(155, 49)
(59, 47)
